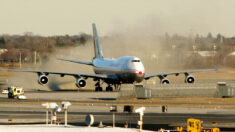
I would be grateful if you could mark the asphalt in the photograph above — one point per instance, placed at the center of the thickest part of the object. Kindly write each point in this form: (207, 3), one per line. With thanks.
(152, 121)
(30, 111)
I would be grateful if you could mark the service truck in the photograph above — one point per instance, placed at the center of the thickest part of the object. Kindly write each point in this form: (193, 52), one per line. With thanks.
(15, 91)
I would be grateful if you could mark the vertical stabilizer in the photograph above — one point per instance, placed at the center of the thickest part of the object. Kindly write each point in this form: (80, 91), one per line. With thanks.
(98, 52)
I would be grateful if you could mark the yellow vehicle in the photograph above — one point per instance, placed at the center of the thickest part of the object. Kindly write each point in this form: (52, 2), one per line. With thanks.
(195, 125)
(211, 130)
(14, 91)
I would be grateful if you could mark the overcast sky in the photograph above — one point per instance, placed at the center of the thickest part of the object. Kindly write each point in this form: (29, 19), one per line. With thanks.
(60, 17)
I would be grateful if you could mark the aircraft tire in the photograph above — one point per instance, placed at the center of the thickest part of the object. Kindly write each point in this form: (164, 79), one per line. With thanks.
(109, 89)
(98, 89)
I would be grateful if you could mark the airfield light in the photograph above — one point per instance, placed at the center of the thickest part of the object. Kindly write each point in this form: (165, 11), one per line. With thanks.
(65, 106)
(141, 113)
(47, 107)
(53, 107)
(113, 109)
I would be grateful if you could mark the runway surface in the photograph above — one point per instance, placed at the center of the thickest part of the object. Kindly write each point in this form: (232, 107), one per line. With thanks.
(220, 110)
(152, 121)
(86, 101)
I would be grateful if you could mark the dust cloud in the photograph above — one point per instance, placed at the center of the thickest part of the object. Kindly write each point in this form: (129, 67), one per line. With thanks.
(141, 41)
(29, 80)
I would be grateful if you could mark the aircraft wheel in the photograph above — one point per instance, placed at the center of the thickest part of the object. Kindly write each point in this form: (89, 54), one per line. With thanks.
(98, 89)
(109, 89)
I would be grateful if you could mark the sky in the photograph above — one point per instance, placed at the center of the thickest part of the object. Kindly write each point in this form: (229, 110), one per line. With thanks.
(61, 17)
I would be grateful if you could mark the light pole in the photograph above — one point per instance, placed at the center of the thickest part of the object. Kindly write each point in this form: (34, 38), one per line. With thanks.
(47, 107)
(20, 59)
(214, 48)
(113, 109)
(173, 54)
(141, 113)
(53, 107)
(65, 106)
(35, 57)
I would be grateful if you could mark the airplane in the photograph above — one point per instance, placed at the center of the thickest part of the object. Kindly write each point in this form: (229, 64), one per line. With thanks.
(114, 72)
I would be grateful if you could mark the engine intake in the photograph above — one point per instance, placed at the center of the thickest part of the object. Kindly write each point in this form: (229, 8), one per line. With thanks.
(42, 79)
(80, 83)
(189, 79)
(165, 81)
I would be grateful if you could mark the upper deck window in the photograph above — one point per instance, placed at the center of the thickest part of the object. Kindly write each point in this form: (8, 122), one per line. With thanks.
(135, 61)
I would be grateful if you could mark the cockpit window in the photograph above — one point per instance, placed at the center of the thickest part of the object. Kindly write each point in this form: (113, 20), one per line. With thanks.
(135, 61)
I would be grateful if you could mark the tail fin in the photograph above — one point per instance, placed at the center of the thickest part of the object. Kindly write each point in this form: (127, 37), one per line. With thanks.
(98, 52)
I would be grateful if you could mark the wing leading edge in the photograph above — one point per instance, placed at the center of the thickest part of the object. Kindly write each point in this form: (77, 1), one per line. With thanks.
(74, 61)
(62, 74)
(164, 74)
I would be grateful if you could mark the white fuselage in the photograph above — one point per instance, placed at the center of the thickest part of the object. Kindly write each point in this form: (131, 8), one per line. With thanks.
(129, 69)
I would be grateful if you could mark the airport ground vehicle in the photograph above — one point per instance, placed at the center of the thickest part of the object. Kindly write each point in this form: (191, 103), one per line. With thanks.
(15, 91)
(195, 125)
(168, 131)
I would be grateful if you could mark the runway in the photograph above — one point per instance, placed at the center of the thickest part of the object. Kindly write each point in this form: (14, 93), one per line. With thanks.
(220, 110)
(152, 121)
(112, 98)
(85, 101)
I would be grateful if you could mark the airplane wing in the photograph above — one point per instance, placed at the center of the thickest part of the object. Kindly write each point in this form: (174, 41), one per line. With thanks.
(62, 74)
(164, 74)
(81, 62)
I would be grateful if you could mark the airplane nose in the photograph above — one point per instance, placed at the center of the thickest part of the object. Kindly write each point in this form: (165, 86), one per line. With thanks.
(139, 76)
(139, 72)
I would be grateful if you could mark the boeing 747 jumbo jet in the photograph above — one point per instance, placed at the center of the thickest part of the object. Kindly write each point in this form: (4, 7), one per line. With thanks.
(114, 72)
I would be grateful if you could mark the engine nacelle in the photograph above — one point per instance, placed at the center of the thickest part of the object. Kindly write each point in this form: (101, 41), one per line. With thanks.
(42, 79)
(80, 83)
(165, 81)
(189, 79)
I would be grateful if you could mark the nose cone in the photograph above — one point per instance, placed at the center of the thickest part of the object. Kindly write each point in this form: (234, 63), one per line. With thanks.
(139, 77)
(136, 69)
(139, 73)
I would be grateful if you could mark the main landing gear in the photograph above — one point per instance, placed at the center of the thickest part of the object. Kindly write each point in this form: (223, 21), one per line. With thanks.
(109, 88)
(98, 88)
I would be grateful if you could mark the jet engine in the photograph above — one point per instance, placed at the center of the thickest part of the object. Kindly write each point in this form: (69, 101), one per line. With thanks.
(42, 79)
(165, 81)
(80, 83)
(189, 79)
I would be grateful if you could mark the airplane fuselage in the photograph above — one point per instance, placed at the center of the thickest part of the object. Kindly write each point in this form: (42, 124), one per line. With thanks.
(128, 69)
